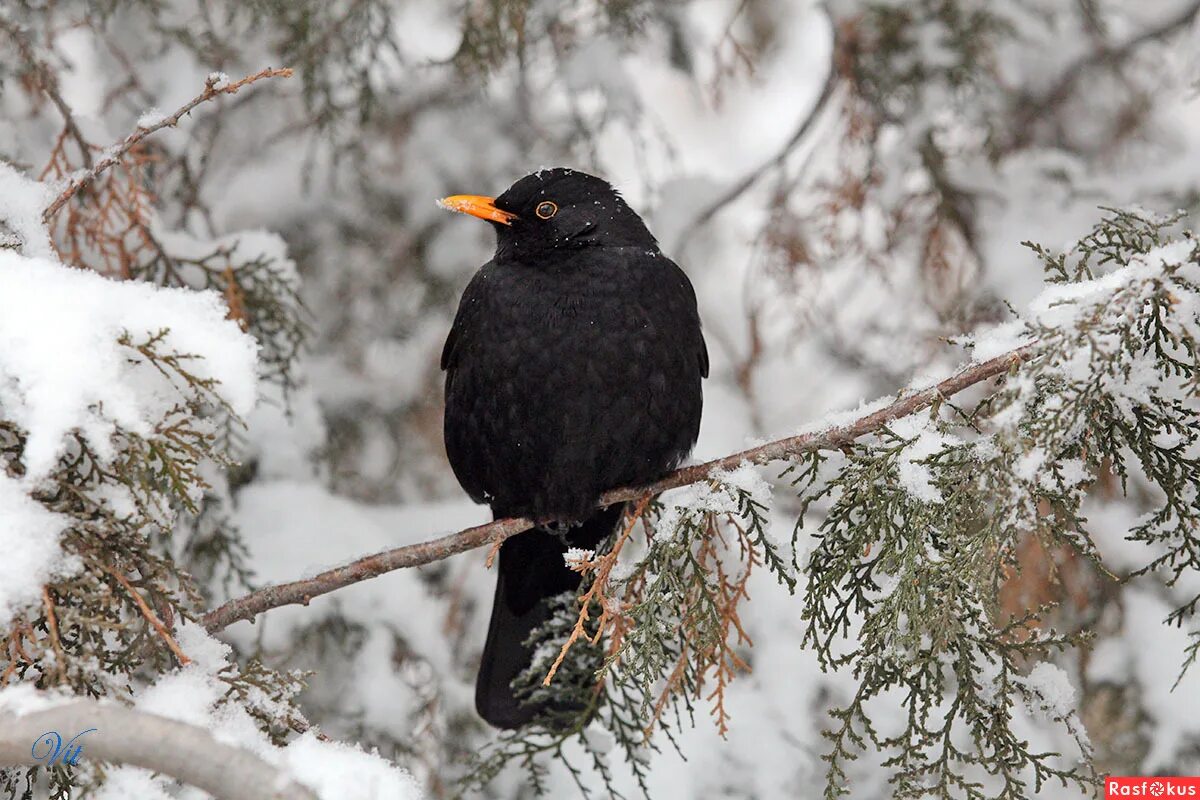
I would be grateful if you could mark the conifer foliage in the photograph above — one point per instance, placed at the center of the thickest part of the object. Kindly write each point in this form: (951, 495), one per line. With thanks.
(224, 285)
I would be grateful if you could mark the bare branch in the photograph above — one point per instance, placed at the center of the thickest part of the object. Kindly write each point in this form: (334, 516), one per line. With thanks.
(47, 80)
(747, 181)
(122, 735)
(213, 86)
(302, 591)
(1034, 108)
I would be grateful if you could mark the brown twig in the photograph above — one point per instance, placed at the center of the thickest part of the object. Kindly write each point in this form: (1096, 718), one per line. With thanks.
(831, 438)
(52, 626)
(601, 567)
(720, 658)
(47, 81)
(150, 616)
(114, 154)
(493, 551)
(16, 654)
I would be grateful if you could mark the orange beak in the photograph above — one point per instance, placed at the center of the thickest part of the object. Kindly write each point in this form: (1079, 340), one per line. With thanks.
(477, 206)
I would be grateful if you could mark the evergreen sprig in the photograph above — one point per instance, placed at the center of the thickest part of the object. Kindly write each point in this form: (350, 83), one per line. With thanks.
(102, 627)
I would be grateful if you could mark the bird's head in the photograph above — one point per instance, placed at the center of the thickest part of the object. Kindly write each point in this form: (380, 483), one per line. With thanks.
(556, 211)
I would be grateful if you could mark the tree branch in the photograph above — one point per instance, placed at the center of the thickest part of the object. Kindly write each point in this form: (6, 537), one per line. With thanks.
(213, 86)
(1034, 108)
(747, 181)
(47, 80)
(124, 736)
(830, 438)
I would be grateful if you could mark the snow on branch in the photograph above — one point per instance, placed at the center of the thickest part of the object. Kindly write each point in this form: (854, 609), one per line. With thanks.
(123, 735)
(830, 437)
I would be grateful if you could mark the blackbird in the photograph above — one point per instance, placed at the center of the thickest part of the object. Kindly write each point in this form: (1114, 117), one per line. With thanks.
(573, 366)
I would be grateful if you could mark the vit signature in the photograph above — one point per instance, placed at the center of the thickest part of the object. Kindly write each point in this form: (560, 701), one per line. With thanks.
(50, 745)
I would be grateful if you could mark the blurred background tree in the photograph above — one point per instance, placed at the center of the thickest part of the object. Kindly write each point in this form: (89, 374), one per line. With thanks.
(848, 184)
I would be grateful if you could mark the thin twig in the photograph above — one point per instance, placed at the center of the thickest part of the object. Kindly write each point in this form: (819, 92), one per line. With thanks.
(47, 80)
(602, 567)
(831, 438)
(52, 625)
(15, 653)
(1033, 109)
(751, 178)
(150, 616)
(212, 88)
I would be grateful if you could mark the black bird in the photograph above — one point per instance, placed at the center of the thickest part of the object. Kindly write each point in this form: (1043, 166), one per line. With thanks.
(573, 367)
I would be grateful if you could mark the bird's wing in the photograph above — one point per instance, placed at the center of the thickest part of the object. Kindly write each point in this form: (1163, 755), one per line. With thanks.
(690, 309)
(468, 308)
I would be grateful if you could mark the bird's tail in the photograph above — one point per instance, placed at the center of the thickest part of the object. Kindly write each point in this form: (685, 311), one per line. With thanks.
(531, 572)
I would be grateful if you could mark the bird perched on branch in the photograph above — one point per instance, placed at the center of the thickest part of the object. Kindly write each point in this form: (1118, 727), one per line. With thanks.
(573, 367)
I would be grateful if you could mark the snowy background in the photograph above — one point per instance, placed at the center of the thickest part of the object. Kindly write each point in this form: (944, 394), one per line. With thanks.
(835, 277)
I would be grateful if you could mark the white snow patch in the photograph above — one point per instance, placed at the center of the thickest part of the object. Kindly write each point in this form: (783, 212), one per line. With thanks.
(150, 118)
(916, 478)
(999, 340)
(577, 555)
(29, 543)
(338, 771)
(1054, 690)
(62, 369)
(745, 477)
(194, 694)
(840, 419)
(25, 698)
(22, 201)
(717, 496)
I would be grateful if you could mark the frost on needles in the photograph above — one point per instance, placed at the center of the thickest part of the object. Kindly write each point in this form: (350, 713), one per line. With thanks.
(902, 543)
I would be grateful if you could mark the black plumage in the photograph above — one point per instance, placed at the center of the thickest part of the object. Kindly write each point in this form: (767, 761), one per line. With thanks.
(573, 366)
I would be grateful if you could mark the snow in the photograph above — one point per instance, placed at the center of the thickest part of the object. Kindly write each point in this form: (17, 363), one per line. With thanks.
(29, 540)
(717, 495)
(1030, 463)
(917, 478)
(150, 118)
(73, 374)
(122, 783)
(840, 419)
(1074, 472)
(999, 340)
(1052, 686)
(194, 694)
(63, 370)
(1062, 305)
(1149, 654)
(574, 556)
(338, 771)
(747, 478)
(19, 699)
(1059, 305)
(21, 203)
(842, 326)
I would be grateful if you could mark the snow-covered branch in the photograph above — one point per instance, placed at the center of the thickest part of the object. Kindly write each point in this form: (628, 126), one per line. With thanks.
(125, 736)
(825, 438)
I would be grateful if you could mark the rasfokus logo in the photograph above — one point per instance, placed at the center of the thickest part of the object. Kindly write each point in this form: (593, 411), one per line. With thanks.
(1131, 786)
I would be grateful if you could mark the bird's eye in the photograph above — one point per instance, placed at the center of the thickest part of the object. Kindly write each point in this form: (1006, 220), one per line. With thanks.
(546, 209)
